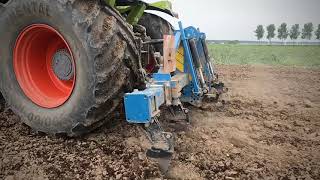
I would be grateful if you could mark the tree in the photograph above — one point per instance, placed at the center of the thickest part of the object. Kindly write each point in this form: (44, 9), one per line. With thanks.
(307, 31)
(283, 32)
(271, 28)
(295, 32)
(317, 33)
(259, 32)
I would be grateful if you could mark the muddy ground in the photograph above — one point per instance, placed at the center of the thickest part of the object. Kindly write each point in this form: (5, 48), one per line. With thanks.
(269, 129)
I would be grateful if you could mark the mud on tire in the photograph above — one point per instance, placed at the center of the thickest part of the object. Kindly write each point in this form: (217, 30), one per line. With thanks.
(105, 55)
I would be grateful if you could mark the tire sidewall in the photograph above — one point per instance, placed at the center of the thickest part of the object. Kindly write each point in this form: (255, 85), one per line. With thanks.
(19, 14)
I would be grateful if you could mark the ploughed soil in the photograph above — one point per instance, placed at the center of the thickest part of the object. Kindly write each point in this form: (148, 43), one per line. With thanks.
(269, 129)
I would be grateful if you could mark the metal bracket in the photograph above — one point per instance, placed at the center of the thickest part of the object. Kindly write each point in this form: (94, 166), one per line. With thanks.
(178, 113)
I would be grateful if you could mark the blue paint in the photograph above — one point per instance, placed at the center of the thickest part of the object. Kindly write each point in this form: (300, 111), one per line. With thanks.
(141, 106)
(161, 77)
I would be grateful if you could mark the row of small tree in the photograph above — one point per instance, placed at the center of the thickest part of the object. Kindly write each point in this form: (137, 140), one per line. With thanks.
(283, 32)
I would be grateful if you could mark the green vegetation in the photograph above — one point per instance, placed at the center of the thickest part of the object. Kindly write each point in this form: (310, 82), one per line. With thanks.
(307, 31)
(283, 32)
(317, 33)
(271, 28)
(266, 55)
(259, 32)
(295, 32)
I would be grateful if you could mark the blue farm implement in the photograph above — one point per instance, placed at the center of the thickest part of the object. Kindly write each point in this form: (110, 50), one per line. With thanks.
(187, 75)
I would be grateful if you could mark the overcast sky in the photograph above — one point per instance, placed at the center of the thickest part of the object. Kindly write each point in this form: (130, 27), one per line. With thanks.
(237, 19)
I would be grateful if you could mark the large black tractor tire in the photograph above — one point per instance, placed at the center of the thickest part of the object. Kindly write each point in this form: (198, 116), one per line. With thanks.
(105, 54)
(156, 27)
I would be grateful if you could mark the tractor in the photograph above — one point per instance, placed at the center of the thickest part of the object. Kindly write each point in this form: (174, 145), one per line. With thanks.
(66, 65)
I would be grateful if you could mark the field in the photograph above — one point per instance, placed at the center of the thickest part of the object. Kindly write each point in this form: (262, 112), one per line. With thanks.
(269, 129)
(302, 56)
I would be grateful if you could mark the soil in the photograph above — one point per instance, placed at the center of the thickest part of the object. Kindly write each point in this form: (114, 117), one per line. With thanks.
(269, 129)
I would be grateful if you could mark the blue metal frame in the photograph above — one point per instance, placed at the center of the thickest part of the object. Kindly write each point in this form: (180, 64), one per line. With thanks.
(194, 90)
(189, 66)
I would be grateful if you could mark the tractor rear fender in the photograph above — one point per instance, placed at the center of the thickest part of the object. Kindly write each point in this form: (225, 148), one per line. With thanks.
(173, 21)
(163, 5)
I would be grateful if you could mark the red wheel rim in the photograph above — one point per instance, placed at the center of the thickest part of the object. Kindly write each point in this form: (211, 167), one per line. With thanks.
(34, 50)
